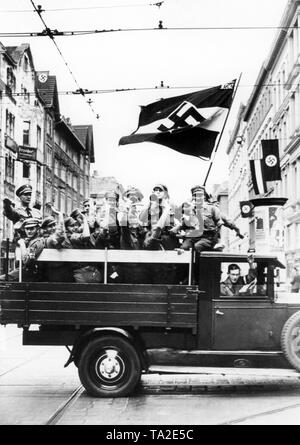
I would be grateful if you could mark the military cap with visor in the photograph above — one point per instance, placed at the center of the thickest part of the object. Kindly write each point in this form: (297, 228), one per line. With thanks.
(133, 191)
(48, 222)
(24, 189)
(197, 189)
(111, 194)
(69, 222)
(161, 187)
(75, 213)
(31, 222)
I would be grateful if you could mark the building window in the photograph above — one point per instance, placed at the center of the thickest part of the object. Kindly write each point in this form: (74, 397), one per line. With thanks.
(81, 185)
(26, 133)
(56, 166)
(49, 192)
(63, 145)
(26, 170)
(38, 137)
(62, 202)
(26, 64)
(74, 185)
(63, 173)
(81, 161)
(38, 177)
(57, 138)
(10, 124)
(49, 126)
(11, 79)
(9, 168)
(49, 157)
(69, 205)
(295, 180)
(25, 94)
(56, 198)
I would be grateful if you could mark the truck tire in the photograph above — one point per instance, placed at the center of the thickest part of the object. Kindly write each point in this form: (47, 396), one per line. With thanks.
(109, 366)
(290, 340)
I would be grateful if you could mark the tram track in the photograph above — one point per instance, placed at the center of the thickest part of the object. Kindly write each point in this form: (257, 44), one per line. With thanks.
(65, 406)
(261, 414)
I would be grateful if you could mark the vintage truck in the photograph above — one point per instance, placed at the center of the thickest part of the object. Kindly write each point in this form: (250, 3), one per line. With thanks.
(110, 328)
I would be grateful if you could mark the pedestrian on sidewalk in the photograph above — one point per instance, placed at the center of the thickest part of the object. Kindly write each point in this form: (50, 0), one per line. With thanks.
(295, 282)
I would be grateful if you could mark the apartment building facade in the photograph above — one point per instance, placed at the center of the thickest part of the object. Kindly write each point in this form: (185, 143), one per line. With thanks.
(273, 112)
(38, 146)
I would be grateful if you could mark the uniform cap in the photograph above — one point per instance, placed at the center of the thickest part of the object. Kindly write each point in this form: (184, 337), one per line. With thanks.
(197, 189)
(161, 186)
(26, 188)
(111, 194)
(69, 222)
(133, 191)
(47, 222)
(31, 222)
(75, 213)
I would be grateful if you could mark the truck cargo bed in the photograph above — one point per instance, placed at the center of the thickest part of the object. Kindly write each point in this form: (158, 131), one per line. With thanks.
(99, 304)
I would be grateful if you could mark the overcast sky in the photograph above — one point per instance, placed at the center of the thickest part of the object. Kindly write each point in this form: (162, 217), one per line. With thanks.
(144, 59)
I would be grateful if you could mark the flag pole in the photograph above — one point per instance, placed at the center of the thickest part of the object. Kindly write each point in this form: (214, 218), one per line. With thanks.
(221, 134)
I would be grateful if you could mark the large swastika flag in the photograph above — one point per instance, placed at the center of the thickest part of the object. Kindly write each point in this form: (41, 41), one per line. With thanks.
(189, 124)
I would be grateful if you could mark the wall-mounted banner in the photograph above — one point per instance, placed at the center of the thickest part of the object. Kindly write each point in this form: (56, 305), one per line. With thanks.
(271, 159)
(26, 153)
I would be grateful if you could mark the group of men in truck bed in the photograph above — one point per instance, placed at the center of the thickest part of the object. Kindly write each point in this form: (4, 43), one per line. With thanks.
(122, 222)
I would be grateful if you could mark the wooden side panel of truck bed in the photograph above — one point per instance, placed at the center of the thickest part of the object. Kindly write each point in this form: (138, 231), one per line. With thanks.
(99, 304)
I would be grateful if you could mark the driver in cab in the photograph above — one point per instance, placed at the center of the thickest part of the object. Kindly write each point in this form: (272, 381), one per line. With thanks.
(237, 285)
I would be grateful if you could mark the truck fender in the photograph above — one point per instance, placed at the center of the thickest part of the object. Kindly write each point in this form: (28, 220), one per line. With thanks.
(83, 340)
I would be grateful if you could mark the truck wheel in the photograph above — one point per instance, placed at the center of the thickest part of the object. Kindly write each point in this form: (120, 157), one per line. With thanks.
(109, 366)
(290, 340)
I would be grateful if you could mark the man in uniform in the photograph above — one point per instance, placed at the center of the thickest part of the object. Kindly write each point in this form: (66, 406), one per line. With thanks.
(89, 210)
(18, 214)
(107, 235)
(226, 223)
(200, 216)
(132, 233)
(31, 246)
(159, 220)
(131, 229)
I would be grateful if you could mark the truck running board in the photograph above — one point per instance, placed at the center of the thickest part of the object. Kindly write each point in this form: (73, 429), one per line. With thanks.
(157, 369)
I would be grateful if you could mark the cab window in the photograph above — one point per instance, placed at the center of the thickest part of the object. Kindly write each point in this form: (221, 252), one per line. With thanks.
(239, 280)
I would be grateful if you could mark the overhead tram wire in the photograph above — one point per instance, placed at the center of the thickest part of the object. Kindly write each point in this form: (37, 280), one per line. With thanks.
(165, 87)
(50, 34)
(85, 8)
(56, 33)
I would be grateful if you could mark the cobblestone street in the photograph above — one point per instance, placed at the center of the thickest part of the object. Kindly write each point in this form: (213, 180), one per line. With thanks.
(37, 390)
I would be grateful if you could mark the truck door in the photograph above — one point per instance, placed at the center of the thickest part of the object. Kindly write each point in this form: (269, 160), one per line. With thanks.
(242, 313)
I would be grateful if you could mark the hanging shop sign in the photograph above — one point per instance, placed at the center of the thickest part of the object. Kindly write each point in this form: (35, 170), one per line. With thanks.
(27, 153)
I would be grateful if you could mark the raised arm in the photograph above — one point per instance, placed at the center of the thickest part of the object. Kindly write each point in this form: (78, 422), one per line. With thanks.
(10, 212)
